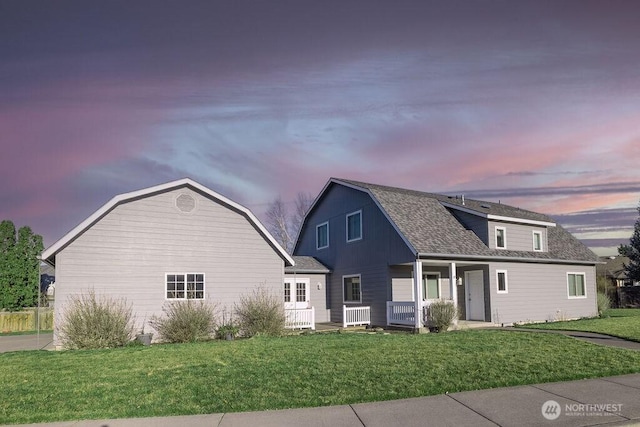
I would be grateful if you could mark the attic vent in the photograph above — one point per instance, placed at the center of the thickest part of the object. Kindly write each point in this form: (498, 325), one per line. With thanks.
(185, 203)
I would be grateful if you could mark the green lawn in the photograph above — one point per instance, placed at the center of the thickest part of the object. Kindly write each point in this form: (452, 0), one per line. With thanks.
(295, 371)
(623, 323)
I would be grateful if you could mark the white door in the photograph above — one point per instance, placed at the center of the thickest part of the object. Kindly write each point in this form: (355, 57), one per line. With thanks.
(474, 285)
(296, 293)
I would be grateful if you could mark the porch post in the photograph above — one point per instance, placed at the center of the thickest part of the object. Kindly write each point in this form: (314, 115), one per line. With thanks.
(417, 293)
(453, 283)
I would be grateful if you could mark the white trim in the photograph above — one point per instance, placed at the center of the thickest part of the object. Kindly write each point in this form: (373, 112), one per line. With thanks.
(426, 288)
(539, 233)
(358, 212)
(346, 276)
(317, 241)
(204, 286)
(184, 182)
(506, 282)
(584, 284)
(504, 237)
(499, 217)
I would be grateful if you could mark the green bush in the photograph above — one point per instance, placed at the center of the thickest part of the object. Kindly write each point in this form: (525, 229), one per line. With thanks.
(604, 303)
(96, 322)
(261, 312)
(442, 314)
(185, 321)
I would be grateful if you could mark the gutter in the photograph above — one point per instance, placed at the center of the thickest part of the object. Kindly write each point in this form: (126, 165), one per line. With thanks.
(506, 259)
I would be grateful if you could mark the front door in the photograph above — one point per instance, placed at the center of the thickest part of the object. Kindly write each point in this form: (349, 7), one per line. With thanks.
(296, 293)
(474, 286)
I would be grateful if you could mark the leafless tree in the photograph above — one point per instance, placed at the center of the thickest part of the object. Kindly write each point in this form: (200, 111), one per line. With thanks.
(284, 226)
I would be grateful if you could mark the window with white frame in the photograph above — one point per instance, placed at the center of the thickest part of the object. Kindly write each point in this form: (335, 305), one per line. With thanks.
(431, 285)
(501, 238)
(322, 235)
(351, 289)
(576, 285)
(354, 226)
(184, 286)
(501, 279)
(537, 241)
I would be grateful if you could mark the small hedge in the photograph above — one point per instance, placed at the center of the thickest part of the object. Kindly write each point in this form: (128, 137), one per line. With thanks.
(185, 321)
(260, 313)
(442, 314)
(96, 322)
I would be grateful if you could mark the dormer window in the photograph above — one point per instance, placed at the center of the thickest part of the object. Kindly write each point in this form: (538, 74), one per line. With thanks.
(537, 241)
(501, 238)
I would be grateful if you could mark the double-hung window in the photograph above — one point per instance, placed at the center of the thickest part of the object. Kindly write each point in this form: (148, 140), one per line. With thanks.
(576, 285)
(351, 288)
(354, 226)
(184, 286)
(322, 235)
(501, 238)
(501, 278)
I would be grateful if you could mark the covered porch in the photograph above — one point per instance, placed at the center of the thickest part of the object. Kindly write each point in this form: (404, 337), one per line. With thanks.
(414, 287)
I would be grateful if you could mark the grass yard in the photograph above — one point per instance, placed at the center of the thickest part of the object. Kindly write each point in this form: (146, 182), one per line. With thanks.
(295, 371)
(621, 322)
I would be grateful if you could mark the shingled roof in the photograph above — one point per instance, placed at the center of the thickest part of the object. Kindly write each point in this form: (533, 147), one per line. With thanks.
(306, 264)
(426, 222)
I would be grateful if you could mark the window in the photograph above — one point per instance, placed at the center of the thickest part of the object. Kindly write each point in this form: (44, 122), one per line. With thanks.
(301, 292)
(287, 292)
(431, 286)
(537, 241)
(576, 284)
(501, 238)
(354, 226)
(322, 235)
(351, 289)
(502, 281)
(185, 286)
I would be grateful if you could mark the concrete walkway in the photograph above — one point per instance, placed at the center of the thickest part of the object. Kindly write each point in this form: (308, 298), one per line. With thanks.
(610, 401)
(26, 342)
(592, 337)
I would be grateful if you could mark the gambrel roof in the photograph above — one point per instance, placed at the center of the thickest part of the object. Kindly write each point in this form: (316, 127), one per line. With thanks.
(427, 224)
(49, 254)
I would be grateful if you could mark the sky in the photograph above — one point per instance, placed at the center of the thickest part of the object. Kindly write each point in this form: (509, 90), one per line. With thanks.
(533, 103)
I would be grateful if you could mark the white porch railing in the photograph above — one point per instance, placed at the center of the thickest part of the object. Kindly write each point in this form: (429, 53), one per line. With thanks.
(304, 318)
(401, 313)
(355, 316)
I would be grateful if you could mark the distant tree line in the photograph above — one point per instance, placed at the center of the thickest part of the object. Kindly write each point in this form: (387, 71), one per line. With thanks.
(19, 266)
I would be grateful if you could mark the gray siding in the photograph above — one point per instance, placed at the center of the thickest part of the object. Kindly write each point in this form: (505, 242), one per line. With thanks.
(538, 292)
(379, 247)
(128, 252)
(519, 236)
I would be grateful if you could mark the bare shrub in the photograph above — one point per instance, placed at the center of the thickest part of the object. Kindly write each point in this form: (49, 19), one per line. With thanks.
(442, 314)
(185, 321)
(96, 322)
(260, 313)
(604, 303)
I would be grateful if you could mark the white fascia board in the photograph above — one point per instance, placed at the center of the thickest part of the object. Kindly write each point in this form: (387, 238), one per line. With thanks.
(499, 217)
(53, 249)
(444, 257)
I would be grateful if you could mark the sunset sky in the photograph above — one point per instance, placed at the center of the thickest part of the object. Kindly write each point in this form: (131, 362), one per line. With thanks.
(533, 103)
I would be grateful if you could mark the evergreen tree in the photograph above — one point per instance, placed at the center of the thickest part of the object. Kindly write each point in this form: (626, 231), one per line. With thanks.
(632, 251)
(19, 266)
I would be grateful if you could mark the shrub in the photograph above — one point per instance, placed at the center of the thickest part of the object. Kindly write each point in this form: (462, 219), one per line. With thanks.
(185, 321)
(261, 312)
(441, 314)
(604, 303)
(96, 322)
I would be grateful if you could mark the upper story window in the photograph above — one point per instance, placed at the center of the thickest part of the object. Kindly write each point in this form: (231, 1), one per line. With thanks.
(431, 286)
(501, 238)
(322, 235)
(184, 286)
(354, 226)
(576, 285)
(501, 276)
(537, 241)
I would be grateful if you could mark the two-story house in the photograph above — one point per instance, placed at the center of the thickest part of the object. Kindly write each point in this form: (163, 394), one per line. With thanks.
(396, 250)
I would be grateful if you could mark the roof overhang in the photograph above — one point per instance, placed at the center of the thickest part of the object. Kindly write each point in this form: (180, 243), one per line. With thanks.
(48, 255)
(498, 217)
(489, 258)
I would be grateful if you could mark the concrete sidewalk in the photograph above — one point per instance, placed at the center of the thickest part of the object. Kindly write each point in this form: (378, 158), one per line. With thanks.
(43, 341)
(611, 401)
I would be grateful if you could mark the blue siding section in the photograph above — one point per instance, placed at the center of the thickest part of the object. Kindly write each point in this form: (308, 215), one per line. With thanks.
(380, 246)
